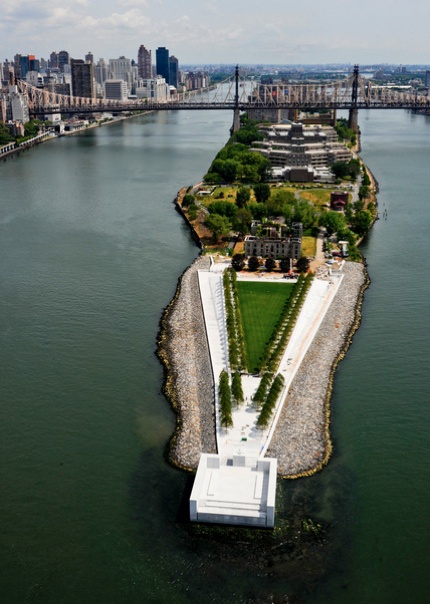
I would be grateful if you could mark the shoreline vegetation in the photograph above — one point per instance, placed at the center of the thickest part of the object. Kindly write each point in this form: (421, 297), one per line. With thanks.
(301, 441)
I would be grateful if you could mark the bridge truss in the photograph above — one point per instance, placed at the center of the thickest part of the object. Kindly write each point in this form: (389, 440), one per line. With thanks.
(354, 92)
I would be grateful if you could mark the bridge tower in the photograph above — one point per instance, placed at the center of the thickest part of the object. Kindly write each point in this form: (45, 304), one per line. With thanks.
(353, 112)
(236, 116)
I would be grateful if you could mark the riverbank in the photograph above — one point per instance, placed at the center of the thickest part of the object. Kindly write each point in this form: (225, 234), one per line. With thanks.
(189, 384)
(29, 144)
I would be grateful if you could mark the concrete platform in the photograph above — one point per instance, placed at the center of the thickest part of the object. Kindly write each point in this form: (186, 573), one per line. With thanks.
(238, 491)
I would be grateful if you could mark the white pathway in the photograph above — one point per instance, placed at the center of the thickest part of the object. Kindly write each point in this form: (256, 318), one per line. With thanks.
(244, 438)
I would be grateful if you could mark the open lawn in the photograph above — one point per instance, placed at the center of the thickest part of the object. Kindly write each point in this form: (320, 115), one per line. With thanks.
(318, 197)
(260, 306)
(309, 246)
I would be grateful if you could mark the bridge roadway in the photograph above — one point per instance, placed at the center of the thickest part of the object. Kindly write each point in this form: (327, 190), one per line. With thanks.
(223, 106)
(238, 94)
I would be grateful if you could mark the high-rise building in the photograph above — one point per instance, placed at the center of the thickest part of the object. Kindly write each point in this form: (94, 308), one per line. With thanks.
(162, 62)
(89, 57)
(101, 71)
(53, 60)
(19, 105)
(28, 63)
(144, 63)
(23, 66)
(82, 78)
(33, 63)
(8, 73)
(120, 69)
(173, 71)
(63, 59)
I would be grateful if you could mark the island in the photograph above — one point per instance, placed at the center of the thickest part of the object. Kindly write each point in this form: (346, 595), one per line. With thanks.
(193, 344)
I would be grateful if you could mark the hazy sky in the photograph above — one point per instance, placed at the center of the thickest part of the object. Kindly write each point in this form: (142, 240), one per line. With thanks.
(222, 31)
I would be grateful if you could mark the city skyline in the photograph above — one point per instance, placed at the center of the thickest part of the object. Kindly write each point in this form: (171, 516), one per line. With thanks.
(245, 32)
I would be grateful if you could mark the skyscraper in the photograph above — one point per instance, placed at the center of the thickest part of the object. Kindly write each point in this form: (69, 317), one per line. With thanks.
(101, 71)
(82, 78)
(173, 71)
(24, 66)
(162, 62)
(63, 59)
(121, 69)
(144, 63)
(53, 60)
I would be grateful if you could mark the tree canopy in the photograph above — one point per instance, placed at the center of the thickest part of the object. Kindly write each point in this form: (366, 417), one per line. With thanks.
(243, 195)
(219, 225)
(238, 262)
(344, 170)
(261, 192)
(332, 221)
(5, 135)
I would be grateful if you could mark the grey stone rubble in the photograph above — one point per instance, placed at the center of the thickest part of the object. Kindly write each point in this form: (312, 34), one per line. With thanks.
(301, 438)
(189, 362)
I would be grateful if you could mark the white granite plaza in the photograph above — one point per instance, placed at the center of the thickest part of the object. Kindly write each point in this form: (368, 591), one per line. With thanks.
(246, 443)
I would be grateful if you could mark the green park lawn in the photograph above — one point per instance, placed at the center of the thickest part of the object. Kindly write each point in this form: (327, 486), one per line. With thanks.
(260, 306)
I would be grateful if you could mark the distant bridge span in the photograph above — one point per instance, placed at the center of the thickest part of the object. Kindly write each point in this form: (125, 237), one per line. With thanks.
(239, 94)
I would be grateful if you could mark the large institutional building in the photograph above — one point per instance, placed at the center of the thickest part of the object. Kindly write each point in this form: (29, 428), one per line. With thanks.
(276, 243)
(301, 153)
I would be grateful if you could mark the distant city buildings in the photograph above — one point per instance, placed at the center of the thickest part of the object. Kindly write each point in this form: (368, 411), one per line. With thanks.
(144, 63)
(101, 72)
(63, 60)
(173, 71)
(116, 90)
(162, 63)
(121, 69)
(17, 109)
(82, 78)
(155, 89)
(119, 78)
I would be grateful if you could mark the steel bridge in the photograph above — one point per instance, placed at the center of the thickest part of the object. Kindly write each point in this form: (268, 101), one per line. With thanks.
(241, 94)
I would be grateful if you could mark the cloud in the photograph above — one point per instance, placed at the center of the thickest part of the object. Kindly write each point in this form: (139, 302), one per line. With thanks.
(133, 3)
(130, 20)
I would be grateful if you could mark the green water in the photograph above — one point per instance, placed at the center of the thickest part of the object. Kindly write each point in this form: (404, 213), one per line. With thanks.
(90, 252)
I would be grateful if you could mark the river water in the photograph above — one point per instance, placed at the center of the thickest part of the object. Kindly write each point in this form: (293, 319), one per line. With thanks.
(90, 253)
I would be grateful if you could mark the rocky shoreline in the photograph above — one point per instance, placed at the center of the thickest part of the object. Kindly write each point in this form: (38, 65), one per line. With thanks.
(189, 384)
(301, 441)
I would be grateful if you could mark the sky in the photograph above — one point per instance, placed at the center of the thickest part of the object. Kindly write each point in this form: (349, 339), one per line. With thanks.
(222, 31)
